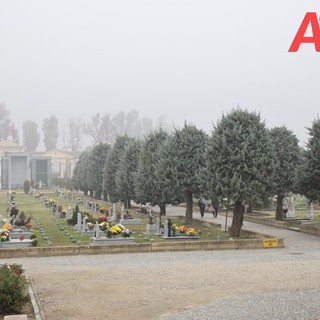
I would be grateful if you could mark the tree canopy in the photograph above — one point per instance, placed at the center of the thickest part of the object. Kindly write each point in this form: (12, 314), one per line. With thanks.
(31, 136)
(240, 160)
(287, 158)
(50, 132)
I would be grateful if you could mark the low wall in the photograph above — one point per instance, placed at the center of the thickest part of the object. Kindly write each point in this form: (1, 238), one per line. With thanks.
(309, 228)
(136, 247)
(267, 221)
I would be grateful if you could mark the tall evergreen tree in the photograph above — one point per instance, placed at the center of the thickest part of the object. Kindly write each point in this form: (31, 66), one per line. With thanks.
(97, 160)
(308, 173)
(287, 157)
(181, 160)
(50, 132)
(112, 165)
(80, 172)
(240, 161)
(147, 188)
(125, 174)
(31, 136)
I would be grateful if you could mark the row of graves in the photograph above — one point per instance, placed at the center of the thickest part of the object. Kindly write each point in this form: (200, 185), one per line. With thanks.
(16, 228)
(113, 224)
(118, 233)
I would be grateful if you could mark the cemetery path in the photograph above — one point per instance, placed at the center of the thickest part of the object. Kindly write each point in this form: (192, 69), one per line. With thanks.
(232, 284)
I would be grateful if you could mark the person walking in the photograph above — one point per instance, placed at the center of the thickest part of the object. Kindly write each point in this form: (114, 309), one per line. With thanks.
(202, 202)
(215, 207)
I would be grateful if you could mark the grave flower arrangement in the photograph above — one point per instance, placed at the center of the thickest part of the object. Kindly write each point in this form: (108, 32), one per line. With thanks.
(104, 225)
(7, 226)
(115, 230)
(90, 225)
(126, 233)
(28, 225)
(191, 231)
(102, 209)
(4, 235)
(183, 229)
(102, 218)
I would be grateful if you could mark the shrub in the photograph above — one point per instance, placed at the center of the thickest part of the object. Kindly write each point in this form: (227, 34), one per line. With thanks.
(26, 186)
(13, 287)
(22, 219)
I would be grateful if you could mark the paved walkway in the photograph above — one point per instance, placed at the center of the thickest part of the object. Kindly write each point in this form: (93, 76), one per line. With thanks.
(295, 242)
(207, 285)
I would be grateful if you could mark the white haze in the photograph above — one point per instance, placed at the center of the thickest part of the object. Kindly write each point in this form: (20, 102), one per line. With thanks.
(190, 60)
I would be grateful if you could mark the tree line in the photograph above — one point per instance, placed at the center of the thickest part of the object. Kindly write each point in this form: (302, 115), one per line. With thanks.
(239, 160)
(100, 128)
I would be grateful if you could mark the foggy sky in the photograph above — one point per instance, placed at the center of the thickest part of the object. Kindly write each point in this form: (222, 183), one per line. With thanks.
(191, 60)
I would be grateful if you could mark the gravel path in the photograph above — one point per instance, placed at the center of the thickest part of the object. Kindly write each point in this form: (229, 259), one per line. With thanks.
(232, 284)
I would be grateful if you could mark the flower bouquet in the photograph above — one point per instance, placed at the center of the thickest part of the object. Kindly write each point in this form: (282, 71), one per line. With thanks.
(4, 235)
(28, 225)
(90, 226)
(126, 233)
(115, 230)
(183, 229)
(191, 232)
(7, 226)
(104, 225)
(102, 218)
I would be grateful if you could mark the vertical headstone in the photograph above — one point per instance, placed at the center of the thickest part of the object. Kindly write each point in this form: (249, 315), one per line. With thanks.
(166, 229)
(84, 225)
(122, 211)
(68, 213)
(79, 221)
(96, 230)
(158, 231)
(114, 214)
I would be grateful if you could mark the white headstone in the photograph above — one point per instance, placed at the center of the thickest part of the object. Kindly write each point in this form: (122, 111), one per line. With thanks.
(79, 221)
(166, 229)
(158, 231)
(122, 211)
(84, 225)
(114, 214)
(96, 230)
(68, 213)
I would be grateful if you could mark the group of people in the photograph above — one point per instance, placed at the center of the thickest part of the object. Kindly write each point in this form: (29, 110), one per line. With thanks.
(213, 206)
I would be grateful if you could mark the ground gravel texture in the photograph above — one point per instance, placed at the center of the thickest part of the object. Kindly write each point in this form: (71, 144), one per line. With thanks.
(259, 284)
(181, 285)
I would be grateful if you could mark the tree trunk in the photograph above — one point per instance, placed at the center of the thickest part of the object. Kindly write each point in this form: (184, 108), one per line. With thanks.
(162, 209)
(237, 219)
(189, 207)
(279, 212)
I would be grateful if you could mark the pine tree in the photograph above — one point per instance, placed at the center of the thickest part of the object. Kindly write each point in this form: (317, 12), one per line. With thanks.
(112, 165)
(308, 173)
(240, 161)
(125, 174)
(146, 186)
(97, 160)
(178, 171)
(287, 157)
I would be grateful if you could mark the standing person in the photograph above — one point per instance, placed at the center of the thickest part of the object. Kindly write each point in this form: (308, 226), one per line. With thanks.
(215, 206)
(202, 202)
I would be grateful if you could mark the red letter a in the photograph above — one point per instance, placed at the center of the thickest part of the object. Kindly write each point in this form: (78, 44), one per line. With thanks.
(310, 17)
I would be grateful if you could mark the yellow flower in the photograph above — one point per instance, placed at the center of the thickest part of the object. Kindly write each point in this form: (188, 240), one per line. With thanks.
(183, 229)
(6, 226)
(191, 232)
(115, 229)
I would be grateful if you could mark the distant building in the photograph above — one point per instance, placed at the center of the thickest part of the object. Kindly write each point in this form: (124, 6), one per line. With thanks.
(39, 168)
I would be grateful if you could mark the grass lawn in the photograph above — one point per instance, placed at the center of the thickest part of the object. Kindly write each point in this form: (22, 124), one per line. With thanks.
(55, 231)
